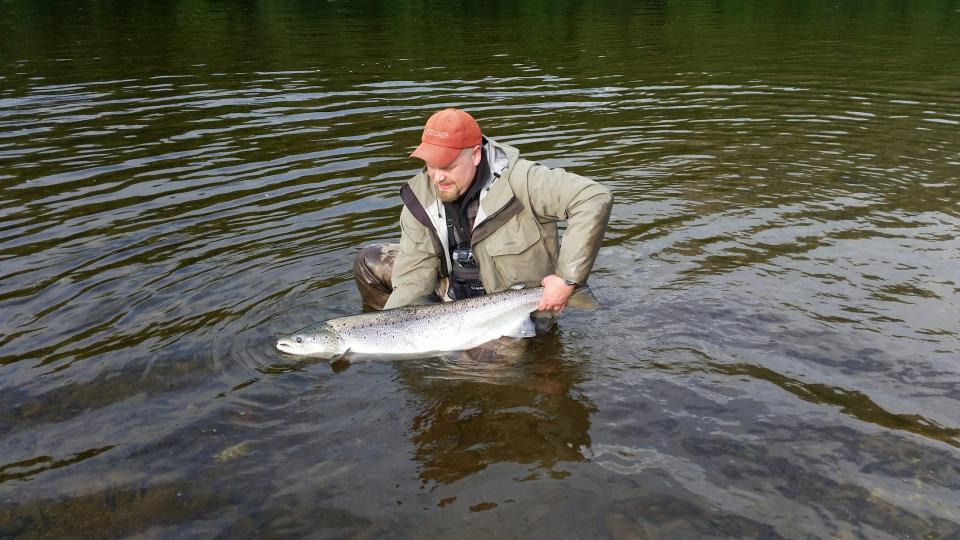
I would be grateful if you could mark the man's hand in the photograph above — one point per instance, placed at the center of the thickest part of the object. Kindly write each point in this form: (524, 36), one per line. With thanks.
(555, 294)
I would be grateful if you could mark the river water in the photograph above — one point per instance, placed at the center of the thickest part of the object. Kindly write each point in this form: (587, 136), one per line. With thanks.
(779, 350)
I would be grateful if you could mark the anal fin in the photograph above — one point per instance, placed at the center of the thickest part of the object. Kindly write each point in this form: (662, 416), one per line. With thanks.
(523, 330)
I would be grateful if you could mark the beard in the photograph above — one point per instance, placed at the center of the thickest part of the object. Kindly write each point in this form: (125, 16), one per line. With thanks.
(449, 195)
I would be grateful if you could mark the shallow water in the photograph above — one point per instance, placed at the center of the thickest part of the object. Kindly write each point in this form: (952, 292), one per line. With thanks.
(779, 349)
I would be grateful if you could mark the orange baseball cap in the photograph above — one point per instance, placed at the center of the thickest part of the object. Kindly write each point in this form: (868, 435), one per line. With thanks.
(446, 134)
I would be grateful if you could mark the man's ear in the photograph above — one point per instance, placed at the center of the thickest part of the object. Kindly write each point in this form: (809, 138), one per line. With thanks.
(476, 155)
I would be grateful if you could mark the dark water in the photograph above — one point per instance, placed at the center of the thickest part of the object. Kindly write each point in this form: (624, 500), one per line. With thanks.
(779, 353)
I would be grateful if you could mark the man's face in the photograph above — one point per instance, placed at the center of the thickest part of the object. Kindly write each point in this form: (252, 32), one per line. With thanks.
(453, 180)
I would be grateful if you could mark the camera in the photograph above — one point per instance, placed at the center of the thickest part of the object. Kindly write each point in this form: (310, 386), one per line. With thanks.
(464, 257)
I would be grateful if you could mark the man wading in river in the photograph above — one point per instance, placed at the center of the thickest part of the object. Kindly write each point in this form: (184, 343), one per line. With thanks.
(479, 219)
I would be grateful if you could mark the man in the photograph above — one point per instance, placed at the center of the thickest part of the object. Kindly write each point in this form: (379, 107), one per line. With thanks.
(479, 219)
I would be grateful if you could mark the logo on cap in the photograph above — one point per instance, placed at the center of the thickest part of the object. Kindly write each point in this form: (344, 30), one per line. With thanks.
(446, 133)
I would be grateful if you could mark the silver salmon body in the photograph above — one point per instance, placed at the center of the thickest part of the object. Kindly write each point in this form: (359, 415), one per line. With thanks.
(450, 326)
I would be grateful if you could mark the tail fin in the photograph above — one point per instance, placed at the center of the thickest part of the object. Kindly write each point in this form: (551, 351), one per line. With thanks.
(583, 298)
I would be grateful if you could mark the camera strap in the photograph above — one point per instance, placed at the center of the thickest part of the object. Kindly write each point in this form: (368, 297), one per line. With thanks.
(465, 277)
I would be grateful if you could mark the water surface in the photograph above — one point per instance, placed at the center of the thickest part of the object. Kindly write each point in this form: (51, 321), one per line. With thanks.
(779, 351)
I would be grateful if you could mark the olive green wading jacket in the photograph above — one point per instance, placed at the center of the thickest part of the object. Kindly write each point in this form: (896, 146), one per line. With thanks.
(514, 239)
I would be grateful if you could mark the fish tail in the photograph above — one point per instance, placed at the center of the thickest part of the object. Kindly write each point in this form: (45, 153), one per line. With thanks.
(583, 298)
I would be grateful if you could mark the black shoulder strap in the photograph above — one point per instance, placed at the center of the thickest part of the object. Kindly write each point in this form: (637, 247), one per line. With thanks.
(413, 204)
(452, 234)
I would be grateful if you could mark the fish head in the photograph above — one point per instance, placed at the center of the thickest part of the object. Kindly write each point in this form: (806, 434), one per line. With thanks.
(319, 340)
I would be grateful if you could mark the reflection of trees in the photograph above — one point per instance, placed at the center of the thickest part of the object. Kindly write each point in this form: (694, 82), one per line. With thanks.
(287, 34)
(517, 406)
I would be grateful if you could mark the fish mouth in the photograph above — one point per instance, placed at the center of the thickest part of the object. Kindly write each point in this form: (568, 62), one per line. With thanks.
(286, 346)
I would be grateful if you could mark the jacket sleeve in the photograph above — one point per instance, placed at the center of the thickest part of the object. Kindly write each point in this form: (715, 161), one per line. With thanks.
(416, 268)
(556, 194)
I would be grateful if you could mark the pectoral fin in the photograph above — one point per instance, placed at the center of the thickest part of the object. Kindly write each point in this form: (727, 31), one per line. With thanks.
(523, 330)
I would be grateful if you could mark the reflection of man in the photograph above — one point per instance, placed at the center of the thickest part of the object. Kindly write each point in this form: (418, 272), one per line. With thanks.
(479, 219)
(529, 412)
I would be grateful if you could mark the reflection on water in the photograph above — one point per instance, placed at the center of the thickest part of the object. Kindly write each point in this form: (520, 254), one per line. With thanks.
(518, 405)
(851, 402)
(777, 354)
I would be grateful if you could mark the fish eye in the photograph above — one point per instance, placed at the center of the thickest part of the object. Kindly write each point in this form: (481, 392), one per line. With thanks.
(299, 339)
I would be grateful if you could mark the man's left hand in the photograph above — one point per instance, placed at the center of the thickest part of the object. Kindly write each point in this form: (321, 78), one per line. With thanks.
(555, 294)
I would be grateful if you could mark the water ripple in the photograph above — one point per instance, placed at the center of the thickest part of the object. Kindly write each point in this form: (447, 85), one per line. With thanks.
(779, 276)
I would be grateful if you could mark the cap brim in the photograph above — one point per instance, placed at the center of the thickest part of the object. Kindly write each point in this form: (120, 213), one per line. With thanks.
(439, 156)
